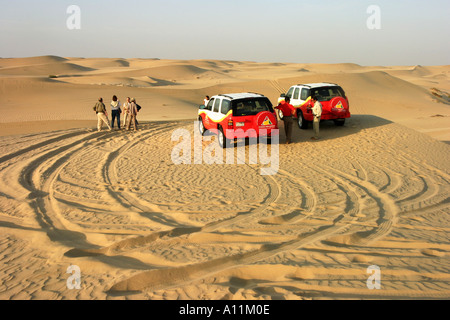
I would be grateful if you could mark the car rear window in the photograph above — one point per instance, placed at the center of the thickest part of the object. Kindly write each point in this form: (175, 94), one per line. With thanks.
(327, 93)
(251, 107)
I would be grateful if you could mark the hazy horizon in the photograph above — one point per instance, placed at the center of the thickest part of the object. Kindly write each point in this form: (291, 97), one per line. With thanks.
(410, 32)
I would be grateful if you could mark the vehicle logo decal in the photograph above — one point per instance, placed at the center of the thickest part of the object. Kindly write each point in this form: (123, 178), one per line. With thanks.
(267, 122)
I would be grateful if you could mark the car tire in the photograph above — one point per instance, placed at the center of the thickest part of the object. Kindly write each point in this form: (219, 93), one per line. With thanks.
(223, 141)
(201, 126)
(339, 122)
(302, 123)
(280, 114)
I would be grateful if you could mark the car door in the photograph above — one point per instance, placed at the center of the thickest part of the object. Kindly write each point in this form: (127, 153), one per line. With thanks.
(305, 97)
(290, 92)
(295, 99)
(208, 112)
(215, 114)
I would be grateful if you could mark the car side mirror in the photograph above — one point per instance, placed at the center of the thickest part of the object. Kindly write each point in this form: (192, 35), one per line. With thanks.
(202, 106)
(283, 95)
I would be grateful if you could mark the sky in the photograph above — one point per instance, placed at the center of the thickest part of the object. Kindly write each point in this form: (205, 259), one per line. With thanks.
(328, 31)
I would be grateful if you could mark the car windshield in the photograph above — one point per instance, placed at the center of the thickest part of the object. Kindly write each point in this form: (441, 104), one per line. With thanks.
(251, 107)
(327, 93)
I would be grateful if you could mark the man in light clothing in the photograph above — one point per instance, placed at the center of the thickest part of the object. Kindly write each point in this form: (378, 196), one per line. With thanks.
(132, 115)
(125, 112)
(317, 113)
(100, 109)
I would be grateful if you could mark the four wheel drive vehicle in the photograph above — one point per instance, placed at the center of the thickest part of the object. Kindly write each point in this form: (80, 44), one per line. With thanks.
(335, 105)
(238, 115)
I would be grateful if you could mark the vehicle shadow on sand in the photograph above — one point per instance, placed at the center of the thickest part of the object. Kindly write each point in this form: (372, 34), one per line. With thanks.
(329, 131)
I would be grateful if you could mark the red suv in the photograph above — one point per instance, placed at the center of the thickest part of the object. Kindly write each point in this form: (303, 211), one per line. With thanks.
(238, 115)
(335, 105)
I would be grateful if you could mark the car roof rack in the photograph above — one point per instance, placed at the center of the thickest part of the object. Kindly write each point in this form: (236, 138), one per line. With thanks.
(242, 95)
(226, 96)
(310, 85)
(259, 94)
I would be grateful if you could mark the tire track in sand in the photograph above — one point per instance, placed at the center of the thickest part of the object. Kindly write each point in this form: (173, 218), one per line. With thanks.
(277, 86)
(170, 277)
(386, 206)
(37, 176)
(175, 234)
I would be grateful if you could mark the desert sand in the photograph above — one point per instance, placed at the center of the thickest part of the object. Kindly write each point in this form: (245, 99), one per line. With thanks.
(374, 192)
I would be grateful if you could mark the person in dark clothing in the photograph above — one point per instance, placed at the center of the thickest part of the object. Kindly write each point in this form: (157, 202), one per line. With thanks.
(288, 111)
(115, 111)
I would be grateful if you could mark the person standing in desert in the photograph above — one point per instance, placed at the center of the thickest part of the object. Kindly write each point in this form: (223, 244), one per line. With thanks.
(317, 112)
(125, 112)
(138, 108)
(288, 111)
(132, 115)
(115, 111)
(100, 109)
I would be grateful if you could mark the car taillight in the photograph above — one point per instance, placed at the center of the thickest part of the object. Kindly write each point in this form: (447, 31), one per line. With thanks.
(230, 123)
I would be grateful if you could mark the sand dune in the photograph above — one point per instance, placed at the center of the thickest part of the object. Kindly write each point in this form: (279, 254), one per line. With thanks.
(15, 62)
(107, 80)
(102, 63)
(374, 192)
(48, 69)
(175, 72)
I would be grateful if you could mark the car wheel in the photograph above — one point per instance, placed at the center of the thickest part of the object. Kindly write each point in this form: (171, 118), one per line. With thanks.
(201, 126)
(302, 123)
(339, 122)
(223, 141)
(280, 114)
